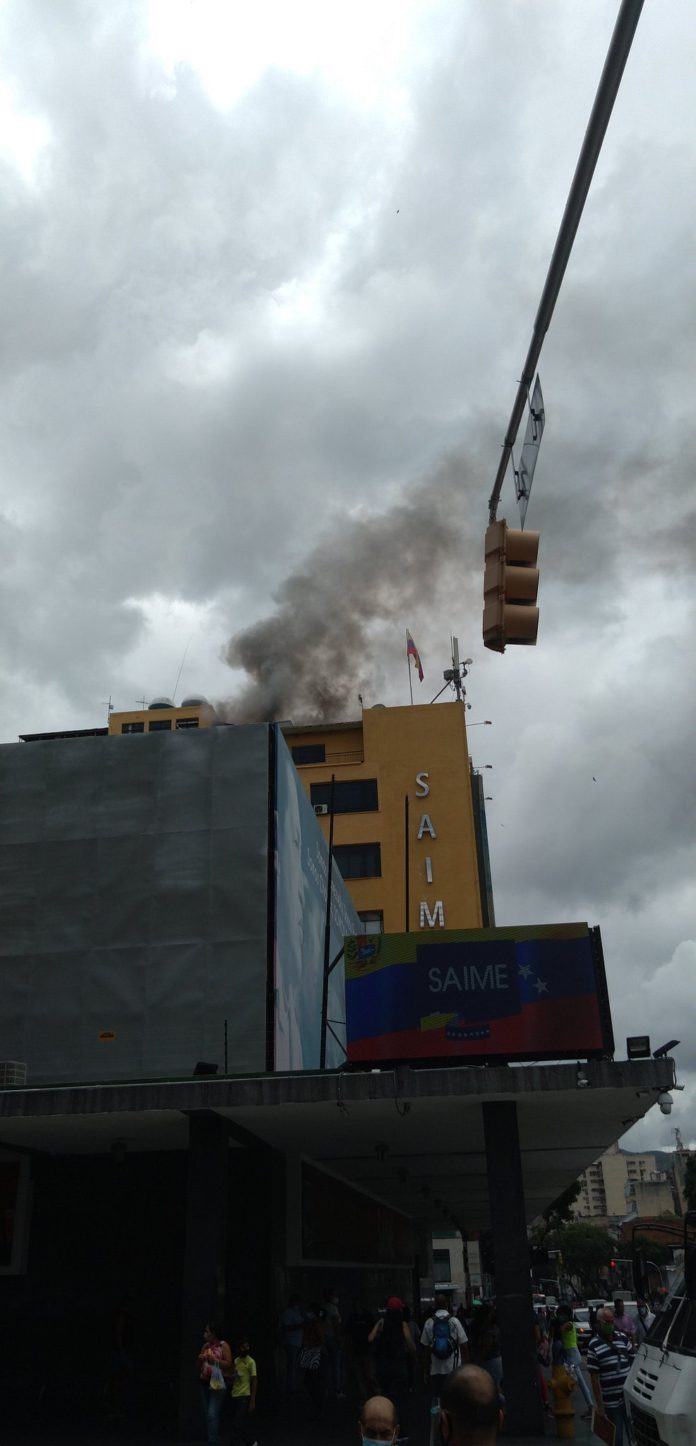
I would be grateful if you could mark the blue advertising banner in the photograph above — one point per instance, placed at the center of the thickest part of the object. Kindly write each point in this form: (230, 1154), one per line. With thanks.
(527, 993)
(301, 872)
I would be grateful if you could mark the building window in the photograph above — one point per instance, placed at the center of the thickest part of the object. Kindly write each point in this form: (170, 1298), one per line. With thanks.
(309, 753)
(372, 920)
(359, 861)
(160, 725)
(186, 723)
(355, 795)
(132, 727)
(441, 1267)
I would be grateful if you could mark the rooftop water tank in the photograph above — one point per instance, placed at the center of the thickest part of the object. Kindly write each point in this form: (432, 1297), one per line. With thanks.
(160, 703)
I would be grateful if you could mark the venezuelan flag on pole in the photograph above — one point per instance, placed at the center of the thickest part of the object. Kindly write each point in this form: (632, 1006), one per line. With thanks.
(412, 652)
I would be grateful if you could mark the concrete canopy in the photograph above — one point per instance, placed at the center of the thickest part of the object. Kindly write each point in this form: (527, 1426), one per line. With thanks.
(412, 1138)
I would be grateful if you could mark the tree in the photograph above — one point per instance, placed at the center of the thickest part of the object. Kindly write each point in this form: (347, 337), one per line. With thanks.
(654, 1250)
(558, 1213)
(690, 1182)
(584, 1248)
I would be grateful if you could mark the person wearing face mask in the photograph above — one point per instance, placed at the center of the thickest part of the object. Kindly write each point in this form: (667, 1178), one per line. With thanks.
(378, 1423)
(471, 1412)
(624, 1322)
(333, 1333)
(644, 1322)
(608, 1364)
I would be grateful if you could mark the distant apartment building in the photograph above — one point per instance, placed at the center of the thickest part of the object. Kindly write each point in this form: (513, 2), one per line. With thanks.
(456, 1269)
(619, 1184)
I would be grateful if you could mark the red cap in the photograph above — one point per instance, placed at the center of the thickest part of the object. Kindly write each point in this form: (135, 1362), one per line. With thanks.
(394, 1303)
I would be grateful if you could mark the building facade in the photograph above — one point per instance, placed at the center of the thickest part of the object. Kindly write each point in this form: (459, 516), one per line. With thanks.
(407, 804)
(409, 819)
(163, 903)
(620, 1184)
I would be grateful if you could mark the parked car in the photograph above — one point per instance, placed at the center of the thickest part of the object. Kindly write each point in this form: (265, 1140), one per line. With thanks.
(583, 1329)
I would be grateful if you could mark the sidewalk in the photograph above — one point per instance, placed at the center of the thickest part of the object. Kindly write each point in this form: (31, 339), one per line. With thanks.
(286, 1425)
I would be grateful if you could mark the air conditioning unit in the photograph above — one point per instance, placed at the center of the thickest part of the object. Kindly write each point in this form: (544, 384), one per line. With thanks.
(321, 809)
(12, 1072)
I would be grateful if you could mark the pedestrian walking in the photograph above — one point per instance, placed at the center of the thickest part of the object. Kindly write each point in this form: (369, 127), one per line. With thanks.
(608, 1364)
(644, 1321)
(244, 1385)
(291, 1324)
(378, 1423)
(571, 1355)
(333, 1332)
(485, 1341)
(215, 1369)
(471, 1412)
(625, 1323)
(393, 1343)
(360, 1355)
(415, 1337)
(542, 1355)
(445, 1342)
(312, 1360)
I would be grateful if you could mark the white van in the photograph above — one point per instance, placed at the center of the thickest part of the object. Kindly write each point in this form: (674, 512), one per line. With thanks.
(660, 1390)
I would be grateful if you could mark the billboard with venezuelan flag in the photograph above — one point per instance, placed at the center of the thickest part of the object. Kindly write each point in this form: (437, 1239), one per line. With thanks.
(529, 993)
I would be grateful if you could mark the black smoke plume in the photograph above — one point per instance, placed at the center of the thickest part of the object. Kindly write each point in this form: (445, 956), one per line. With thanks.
(309, 659)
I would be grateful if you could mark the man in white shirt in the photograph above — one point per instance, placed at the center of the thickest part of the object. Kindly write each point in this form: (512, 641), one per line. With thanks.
(445, 1341)
(644, 1321)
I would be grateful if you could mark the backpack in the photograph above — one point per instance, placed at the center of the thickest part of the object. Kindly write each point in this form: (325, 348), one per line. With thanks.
(443, 1345)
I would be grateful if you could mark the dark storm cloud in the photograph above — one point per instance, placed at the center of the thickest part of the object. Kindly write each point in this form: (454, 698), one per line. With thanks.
(234, 340)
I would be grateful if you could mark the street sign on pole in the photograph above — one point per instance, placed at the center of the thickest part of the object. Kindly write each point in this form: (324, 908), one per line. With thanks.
(530, 449)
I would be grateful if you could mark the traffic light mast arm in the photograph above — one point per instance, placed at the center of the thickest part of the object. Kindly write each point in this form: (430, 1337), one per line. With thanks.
(617, 55)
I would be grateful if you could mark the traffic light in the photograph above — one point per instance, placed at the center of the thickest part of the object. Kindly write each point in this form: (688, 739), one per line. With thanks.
(612, 1265)
(510, 586)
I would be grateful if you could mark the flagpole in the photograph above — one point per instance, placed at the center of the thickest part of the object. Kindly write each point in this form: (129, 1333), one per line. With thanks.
(408, 665)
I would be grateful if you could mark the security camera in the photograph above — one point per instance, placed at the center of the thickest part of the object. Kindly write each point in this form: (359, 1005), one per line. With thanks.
(664, 1100)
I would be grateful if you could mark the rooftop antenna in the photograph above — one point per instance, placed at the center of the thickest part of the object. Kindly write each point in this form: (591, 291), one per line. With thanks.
(181, 666)
(454, 676)
(109, 707)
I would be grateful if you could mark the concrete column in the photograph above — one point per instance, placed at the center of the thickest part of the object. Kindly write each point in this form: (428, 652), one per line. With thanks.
(513, 1284)
(205, 1251)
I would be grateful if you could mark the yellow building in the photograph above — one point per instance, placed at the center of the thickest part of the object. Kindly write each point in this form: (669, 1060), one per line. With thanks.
(161, 715)
(392, 762)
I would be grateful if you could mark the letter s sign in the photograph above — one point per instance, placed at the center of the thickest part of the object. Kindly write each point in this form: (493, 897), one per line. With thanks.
(422, 788)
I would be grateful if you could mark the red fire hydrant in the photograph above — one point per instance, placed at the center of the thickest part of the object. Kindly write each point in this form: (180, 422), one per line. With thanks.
(562, 1385)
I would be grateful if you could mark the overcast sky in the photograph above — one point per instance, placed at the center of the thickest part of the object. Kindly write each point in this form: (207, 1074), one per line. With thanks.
(270, 272)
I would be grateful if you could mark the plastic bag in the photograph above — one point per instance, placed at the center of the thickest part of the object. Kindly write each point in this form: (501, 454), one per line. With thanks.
(217, 1380)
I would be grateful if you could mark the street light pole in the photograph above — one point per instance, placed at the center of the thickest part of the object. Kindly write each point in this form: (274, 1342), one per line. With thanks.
(610, 80)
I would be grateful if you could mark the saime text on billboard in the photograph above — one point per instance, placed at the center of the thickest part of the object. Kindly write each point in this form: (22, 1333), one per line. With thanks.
(536, 992)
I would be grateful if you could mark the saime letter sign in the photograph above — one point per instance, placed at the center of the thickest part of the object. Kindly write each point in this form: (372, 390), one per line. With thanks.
(427, 917)
(528, 993)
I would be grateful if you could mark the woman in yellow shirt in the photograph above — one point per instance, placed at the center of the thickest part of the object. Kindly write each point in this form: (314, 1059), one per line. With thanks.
(571, 1354)
(244, 1384)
